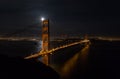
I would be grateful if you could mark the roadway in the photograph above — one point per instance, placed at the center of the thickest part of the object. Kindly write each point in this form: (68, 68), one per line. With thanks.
(42, 53)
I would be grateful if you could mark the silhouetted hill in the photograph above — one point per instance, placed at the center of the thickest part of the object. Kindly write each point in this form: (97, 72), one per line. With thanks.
(18, 68)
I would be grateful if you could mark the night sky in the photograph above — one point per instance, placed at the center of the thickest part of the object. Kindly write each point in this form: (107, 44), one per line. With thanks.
(92, 17)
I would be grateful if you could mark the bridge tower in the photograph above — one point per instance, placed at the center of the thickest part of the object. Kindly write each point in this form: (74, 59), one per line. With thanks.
(45, 40)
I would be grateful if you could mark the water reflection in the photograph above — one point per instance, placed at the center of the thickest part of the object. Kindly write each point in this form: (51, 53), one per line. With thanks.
(78, 63)
(69, 66)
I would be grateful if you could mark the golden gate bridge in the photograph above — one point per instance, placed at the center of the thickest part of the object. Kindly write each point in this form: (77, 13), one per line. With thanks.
(45, 44)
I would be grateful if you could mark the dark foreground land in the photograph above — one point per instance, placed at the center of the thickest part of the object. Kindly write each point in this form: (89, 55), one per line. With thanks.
(18, 68)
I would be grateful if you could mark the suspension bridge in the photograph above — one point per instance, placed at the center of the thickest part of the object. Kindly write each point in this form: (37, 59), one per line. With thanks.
(45, 44)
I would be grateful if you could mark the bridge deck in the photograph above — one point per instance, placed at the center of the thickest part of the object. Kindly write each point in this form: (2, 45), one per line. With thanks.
(55, 49)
